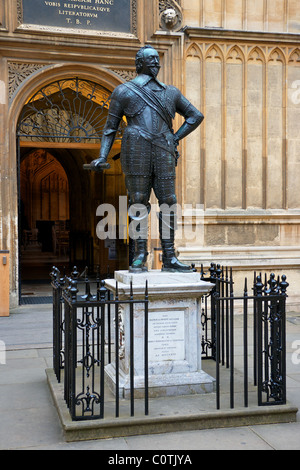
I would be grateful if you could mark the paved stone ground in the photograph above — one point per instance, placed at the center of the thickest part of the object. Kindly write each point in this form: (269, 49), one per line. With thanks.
(29, 419)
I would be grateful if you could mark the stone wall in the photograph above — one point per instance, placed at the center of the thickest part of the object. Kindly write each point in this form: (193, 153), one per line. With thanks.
(239, 62)
(246, 15)
(243, 165)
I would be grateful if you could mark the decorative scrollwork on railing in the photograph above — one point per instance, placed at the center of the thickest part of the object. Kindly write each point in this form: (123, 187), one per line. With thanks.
(271, 296)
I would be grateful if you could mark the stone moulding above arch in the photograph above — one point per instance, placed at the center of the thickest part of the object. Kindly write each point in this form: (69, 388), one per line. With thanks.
(194, 51)
(125, 74)
(45, 75)
(235, 55)
(276, 55)
(214, 53)
(294, 56)
(18, 72)
(256, 54)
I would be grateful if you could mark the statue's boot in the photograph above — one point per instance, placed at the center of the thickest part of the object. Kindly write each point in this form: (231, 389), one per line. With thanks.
(140, 257)
(167, 235)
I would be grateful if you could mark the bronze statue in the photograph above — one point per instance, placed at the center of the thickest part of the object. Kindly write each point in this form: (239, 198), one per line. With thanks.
(149, 149)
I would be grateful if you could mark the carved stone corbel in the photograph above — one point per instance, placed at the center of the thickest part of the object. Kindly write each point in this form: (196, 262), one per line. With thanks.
(170, 15)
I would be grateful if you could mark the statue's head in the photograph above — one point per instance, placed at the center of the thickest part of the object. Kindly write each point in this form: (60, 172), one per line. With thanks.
(147, 61)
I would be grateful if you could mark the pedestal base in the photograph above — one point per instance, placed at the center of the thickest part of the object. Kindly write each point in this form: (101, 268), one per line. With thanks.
(174, 340)
(163, 385)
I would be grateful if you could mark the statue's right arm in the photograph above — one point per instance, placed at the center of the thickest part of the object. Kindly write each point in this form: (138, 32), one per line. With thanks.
(114, 118)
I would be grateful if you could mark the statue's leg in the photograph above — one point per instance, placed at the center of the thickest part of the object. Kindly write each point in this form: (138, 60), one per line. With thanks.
(164, 188)
(139, 189)
(136, 165)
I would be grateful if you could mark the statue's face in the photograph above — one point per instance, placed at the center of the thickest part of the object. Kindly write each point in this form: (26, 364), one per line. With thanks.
(151, 63)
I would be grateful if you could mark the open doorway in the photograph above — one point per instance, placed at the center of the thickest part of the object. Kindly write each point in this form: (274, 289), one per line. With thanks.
(45, 215)
(59, 131)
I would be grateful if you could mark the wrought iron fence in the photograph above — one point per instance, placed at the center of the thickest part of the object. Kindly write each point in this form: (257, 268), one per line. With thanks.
(82, 346)
(223, 280)
(270, 324)
(268, 306)
(59, 282)
(83, 339)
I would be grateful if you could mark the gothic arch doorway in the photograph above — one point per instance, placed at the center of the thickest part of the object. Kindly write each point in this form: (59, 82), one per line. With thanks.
(45, 213)
(59, 130)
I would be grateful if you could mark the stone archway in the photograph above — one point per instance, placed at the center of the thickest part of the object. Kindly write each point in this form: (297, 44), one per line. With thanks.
(68, 110)
(66, 116)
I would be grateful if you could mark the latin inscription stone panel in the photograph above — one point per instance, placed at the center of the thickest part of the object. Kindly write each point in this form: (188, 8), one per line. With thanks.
(94, 15)
(166, 336)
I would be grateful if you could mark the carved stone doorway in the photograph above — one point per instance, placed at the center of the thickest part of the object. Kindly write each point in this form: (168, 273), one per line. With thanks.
(60, 130)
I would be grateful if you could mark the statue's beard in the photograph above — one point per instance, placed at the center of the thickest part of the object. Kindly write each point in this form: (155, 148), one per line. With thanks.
(153, 71)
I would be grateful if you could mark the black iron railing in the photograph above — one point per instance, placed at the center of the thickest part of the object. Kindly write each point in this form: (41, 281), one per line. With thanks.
(267, 304)
(270, 324)
(87, 335)
(59, 282)
(223, 280)
(83, 310)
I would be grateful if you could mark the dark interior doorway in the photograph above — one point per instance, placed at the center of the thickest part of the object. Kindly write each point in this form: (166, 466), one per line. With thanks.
(59, 131)
(45, 214)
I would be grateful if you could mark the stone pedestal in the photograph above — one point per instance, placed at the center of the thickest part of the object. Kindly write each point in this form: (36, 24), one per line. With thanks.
(174, 334)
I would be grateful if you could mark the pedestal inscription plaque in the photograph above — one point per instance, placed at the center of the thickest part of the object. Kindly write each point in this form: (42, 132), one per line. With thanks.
(166, 336)
(94, 15)
(174, 334)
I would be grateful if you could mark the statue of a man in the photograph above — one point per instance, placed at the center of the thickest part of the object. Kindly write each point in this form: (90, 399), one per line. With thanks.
(149, 149)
